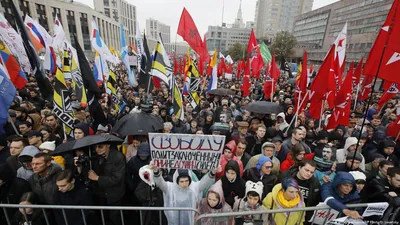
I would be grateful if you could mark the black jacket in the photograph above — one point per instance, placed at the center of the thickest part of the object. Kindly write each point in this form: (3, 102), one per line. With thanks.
(111, 183)
(36, 218)
(314, 196)
(79, 195)
(132, 170)
(4, 154)
(45, 187)
(254, 145)
(245, 158)
(268, 181)
(378, 191)
(235, 188)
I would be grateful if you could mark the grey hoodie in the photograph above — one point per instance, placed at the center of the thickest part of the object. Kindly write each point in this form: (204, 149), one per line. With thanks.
(276, 165)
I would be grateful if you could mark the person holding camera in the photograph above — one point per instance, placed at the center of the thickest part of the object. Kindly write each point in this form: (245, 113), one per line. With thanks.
(107, 179)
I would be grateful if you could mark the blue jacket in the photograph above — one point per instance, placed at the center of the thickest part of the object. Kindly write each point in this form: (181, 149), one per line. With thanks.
(330, 194)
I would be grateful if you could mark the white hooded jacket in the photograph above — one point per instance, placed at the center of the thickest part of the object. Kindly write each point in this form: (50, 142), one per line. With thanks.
(341, 154)
(175, 196)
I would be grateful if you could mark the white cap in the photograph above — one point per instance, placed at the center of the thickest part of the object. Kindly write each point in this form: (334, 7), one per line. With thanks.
(48, 145)
(257, 187)
(358, 175)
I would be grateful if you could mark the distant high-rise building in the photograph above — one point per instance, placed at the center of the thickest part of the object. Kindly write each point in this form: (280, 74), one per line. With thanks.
(121, 12)
(154, 27)
(272, 16)
(239, 18)
(222, 38)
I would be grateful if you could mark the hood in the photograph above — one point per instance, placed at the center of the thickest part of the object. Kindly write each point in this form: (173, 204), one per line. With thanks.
(29, 151)
(217, 188)
(349, 142)
(341, 127)
(263, 159)
(232, 164)
(282, 114)
(178, 173)
(84, 127)
(231, 145)
(343, 178)
(35, 121)
(378, 136)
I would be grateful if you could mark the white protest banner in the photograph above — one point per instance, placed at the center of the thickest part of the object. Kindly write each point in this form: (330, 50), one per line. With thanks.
(186, 151)
(228, 76)
(377, 209)
(322, 217)
(347, 221)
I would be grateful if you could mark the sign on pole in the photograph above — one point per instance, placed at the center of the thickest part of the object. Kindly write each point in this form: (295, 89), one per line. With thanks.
(186, 151)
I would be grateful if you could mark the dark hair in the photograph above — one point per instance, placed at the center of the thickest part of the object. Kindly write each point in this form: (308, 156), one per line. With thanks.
(304, 162)
(296, 130)
(289, 182)
(24, 141)
(47, 157)
(295, 150)
(253, 194)
(393, 171)
(30, 197)
(27, 123)
(50, 114)
(385, 162)
(65, 174)
(242, 141)
(22, 110)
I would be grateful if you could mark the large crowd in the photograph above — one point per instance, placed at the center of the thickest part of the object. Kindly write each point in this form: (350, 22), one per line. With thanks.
(268, 162)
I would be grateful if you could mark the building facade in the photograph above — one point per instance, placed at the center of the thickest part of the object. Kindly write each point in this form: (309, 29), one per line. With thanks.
(317, 30)
(154, 27)
(121, 12)
(76, 19)
(272, 16)
(222, 38)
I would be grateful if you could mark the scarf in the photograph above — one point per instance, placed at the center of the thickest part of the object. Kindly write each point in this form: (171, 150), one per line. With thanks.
(285, 203)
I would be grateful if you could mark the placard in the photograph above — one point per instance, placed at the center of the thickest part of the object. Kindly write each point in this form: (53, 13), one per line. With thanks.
(186, 151)
(377, 209)
(324, 216)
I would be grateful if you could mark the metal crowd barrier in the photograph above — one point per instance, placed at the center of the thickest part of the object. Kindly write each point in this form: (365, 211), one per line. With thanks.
(99, 208)
(389, 215)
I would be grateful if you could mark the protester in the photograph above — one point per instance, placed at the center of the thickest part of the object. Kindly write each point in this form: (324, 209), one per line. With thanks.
(16, 147)
(232, 184)
(349, 149)
(297, 137)
(340, 191)
(34, 216)
(269, 151)
(251, 202)
(215, 203)
(255, 142)
(25, 158)
(4, 149)
(241, 153)
(229, 154)
(285, 195)
(181, 192)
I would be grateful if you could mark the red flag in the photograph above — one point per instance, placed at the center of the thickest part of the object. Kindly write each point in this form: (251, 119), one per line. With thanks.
(338, 74)
(206, 57)
(156, 82)
(221, 67)
(188, 31)
(274, 70)
(268, 88)
(229, 69)
(357, 74)
(301, 86)
(246, 80)
(200, 66)
(238, 69)
(389, 94)
(393, 128)
(341, 112)
(175, 66)
(257, 62)
(386, 48)
(209, 68)
(366, 87)
(323, 85)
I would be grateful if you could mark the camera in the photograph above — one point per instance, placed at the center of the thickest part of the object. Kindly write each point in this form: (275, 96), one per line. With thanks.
(83, 161)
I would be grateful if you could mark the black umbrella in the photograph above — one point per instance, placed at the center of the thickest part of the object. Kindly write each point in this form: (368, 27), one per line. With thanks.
(222, 92)
(263, 107)
(97, 139)
(64, 147)
(138, 124)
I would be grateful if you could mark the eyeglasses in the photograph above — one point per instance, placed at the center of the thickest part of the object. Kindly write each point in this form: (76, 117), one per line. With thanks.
(268, 167)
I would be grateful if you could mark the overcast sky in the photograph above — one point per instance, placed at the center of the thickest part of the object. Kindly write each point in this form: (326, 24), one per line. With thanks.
(204, 12)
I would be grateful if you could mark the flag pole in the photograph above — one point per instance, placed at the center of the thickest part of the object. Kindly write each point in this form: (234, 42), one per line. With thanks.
(12, 124)
(355, 101)
(272, 90)
(298, 106)
(297, 110)
(320, 115)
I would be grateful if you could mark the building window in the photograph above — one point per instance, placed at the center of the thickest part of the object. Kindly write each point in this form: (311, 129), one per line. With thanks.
(107, 12)
(24, 6)
(85, 31)
(41, 15)
(56, 13)
(71, 26)
(106, 3)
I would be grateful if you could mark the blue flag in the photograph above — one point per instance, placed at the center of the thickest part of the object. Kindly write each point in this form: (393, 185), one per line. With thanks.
(7, 95)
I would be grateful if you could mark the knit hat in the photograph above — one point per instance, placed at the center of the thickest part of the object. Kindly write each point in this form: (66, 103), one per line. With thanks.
(183, 173)
(257, 187)
(48, 145)
(358, 157)
(263, 159)
(143, 150)
(389, 143)
(276, 139)
(358, 175)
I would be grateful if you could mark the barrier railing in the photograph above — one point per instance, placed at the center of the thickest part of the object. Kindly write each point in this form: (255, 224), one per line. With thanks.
(82, 209)
(390, 214)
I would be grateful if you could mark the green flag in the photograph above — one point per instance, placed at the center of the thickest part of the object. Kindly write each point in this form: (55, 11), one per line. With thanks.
(265, 53)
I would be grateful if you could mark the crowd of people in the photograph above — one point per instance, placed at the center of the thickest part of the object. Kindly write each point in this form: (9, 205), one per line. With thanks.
(268, 162)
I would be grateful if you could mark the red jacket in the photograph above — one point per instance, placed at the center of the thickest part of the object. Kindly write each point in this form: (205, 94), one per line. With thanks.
(231, 146)
(288, 162)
